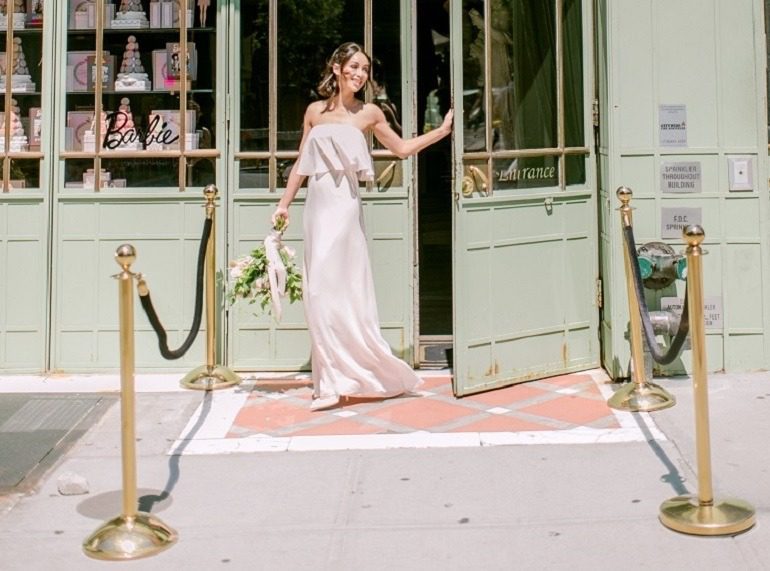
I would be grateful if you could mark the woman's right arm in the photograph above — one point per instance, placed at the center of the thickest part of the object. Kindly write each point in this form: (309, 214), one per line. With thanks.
(295, 180)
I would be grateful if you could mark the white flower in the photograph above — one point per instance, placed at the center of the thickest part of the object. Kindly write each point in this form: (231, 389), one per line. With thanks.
(236, 267)
(289, 251)
(260, 283)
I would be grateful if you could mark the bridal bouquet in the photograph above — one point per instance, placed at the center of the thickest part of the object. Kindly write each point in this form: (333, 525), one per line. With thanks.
(267, 275)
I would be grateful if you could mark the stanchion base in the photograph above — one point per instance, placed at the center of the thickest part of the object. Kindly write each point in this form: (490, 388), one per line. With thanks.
(725, 517)
(126, 538)
(644, 397)
(205, 379)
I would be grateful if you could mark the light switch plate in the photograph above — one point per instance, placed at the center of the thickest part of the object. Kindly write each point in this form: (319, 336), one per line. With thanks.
(740, 171)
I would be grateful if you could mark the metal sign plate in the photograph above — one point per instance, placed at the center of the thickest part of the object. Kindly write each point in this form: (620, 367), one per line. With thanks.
(712, 309)
(672, 125)
(673, 220)
(680, 177)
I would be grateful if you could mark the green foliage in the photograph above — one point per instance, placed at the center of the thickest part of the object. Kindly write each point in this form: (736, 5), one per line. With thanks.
(250, 282)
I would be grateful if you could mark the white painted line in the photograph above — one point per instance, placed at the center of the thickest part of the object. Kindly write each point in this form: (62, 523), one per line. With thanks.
(345, 413)
(410, 440)
(212, 419)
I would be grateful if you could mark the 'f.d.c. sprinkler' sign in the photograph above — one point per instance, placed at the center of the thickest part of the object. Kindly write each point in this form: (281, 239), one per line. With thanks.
(673, 221)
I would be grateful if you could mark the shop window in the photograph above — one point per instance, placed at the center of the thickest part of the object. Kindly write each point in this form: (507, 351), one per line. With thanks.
(523, 103)
(21, 124)
(141, 114)
(283, 50)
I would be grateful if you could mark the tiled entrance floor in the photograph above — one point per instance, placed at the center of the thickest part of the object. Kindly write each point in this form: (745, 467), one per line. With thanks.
(269, 416)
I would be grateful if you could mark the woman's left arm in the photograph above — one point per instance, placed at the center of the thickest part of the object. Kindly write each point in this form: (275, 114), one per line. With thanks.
(403, 148)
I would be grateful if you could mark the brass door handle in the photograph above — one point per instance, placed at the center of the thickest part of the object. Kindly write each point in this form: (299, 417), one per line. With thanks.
(476, 181)
(386, 175)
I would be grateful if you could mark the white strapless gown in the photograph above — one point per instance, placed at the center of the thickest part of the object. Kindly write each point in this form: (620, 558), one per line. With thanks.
(349, 355)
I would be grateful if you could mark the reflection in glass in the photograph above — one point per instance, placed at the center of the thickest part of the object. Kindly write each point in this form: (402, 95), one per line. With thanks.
(308, 33)
(253, 174)
(525, 78)
(574, 128)
(150, 172)
(575, 169)
(474, 135)
(25, 173)
(386, 65)
(255, 65)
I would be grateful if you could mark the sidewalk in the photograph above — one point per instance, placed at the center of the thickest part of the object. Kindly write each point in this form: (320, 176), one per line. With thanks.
(538, 476)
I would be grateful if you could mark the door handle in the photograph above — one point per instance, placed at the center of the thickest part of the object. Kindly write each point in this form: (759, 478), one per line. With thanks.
(476, 181)
(386, 175)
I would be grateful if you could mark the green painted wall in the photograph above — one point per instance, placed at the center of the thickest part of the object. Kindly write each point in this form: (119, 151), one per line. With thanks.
(709, 55)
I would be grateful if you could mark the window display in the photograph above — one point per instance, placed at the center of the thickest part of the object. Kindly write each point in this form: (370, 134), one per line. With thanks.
(21, 38)
(145, 84)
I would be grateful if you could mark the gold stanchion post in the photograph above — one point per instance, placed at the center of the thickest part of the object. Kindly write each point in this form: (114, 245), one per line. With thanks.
(210, 376)
(641, 395)
(702, 515)
(133, 534)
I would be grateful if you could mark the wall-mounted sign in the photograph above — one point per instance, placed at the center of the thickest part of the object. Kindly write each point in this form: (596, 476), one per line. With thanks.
(672, 125)
(673, 220)
(712, 309)
(680, 177)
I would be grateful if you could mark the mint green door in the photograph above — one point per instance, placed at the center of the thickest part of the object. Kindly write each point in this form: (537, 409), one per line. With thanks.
(525, 231)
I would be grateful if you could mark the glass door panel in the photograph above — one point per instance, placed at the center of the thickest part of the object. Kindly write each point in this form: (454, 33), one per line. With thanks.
(524, 240)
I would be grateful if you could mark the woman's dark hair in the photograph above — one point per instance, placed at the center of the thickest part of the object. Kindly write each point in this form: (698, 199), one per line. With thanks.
(329, 87)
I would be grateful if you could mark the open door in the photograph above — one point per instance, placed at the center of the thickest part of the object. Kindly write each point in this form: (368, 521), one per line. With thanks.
(524, 219)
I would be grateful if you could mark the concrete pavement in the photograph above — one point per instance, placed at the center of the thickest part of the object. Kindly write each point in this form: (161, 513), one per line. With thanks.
(534, 506)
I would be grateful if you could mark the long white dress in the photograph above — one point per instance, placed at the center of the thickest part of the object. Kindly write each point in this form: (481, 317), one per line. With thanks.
(349, 355)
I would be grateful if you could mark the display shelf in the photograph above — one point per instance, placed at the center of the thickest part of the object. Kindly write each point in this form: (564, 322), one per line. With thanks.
(148, 31)
(175, 93)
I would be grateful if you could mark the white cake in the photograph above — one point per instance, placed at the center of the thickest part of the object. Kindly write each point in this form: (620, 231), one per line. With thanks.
(130, 15)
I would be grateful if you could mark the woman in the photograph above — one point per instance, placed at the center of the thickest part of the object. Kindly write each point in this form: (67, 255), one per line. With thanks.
(349, 355)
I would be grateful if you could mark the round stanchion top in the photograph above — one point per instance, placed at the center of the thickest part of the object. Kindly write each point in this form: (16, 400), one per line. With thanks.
(624, 194)
(125, 255)
(693, 234)
(210, 192)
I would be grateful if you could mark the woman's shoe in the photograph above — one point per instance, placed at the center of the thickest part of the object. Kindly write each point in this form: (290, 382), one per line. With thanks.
(322, 403)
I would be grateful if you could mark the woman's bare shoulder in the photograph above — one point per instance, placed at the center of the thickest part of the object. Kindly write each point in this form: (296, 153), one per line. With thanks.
(373, 114)
(314, 111)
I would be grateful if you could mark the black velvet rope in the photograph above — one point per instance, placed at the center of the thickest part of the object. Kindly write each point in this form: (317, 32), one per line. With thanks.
(684, 323)
(153, 317)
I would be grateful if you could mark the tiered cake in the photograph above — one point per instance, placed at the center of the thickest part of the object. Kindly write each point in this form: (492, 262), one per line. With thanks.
(19, 140)
(124, 136)
(19, 14)
(130, 15)
(21, 80)
(132, 76)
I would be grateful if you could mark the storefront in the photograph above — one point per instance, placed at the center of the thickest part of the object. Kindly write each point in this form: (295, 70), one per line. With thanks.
(497, 251)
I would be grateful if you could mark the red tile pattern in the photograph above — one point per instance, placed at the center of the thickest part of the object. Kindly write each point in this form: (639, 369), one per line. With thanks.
(557, 403)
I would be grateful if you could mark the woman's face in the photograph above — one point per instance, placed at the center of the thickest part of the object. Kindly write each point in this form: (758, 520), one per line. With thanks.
(354, 73)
